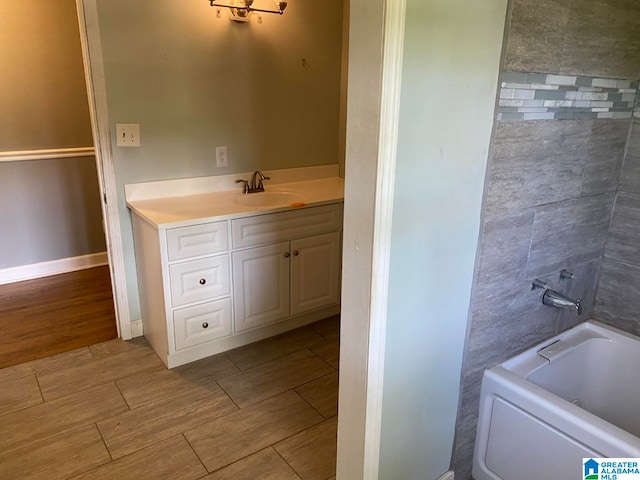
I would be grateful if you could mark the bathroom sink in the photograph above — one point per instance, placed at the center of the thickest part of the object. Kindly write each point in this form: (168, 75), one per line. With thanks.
(267, 199)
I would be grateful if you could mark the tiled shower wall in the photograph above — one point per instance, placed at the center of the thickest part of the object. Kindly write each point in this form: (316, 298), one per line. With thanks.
(618, 296)
(570, 75)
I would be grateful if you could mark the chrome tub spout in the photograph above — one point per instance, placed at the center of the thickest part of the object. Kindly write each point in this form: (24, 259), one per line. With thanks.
(556, 299)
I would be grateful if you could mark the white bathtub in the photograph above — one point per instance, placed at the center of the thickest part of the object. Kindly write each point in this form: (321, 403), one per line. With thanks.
(576, 395)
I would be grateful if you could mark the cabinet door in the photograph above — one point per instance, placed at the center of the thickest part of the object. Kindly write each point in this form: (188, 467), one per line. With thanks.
(315, 272)
(261, 285)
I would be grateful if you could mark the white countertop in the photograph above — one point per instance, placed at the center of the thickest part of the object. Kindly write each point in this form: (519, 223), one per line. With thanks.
(190, 209)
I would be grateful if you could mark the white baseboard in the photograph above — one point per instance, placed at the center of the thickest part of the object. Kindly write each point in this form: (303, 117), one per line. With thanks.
(54, 267)
(136, 329)
(447, 476)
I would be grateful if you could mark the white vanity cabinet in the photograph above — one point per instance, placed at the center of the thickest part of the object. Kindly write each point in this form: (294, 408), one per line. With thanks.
(294, 266)
(209, 287)
(288, 278)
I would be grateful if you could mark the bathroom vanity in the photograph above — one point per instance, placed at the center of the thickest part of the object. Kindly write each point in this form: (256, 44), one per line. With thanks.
(218, 269)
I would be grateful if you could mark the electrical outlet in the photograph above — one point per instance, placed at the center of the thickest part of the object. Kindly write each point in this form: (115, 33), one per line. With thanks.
(128, 134)
(222, 160)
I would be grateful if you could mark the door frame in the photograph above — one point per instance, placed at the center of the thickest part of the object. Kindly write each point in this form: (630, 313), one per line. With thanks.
(376, 43)
(97, 96)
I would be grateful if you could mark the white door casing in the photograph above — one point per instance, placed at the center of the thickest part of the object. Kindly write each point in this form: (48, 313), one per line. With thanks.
(97, 96)
(376, 41)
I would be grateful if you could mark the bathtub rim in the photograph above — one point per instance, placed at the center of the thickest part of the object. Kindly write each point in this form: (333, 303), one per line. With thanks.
(527, 362)
(508, 381)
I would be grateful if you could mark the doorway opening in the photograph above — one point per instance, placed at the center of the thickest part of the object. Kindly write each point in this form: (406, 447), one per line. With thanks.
(55, 290)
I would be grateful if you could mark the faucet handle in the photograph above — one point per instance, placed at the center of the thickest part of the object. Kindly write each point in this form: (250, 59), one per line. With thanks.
(564, 273)
(538, 284)
(262, 176)
(245, 187)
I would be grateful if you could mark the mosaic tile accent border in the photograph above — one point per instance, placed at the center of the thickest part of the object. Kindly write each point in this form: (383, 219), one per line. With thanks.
(541, 96)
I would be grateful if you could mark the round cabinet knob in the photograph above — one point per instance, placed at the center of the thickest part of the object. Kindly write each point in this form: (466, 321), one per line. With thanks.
(296, 253)
(287, 254)
(203, 281)
(205, 325)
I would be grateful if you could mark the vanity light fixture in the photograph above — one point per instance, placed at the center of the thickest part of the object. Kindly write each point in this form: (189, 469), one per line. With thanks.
(240, 10)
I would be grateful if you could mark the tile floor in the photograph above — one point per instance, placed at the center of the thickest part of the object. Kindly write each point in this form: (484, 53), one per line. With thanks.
(266, 411)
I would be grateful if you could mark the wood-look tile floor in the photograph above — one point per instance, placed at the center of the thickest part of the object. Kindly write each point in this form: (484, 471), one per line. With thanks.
(266, 411)
(55, 314)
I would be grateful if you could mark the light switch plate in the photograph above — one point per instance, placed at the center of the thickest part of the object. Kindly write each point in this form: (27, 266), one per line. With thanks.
(128, 134)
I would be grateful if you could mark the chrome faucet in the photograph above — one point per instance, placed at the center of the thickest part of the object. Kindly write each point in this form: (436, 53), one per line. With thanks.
(555, 299)
(255, 185)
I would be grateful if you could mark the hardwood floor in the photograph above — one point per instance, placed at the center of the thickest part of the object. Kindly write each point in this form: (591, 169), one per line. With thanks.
(55, 314)
(265, 411)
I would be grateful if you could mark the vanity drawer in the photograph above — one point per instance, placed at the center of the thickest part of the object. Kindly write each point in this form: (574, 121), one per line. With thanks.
(202, 323)
(199, 280)
(278, 227)
(197, 240)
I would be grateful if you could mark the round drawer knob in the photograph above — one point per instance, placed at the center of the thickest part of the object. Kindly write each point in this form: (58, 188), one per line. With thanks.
(296, 253)
(203, 281)
(287, 254)
(205, 325)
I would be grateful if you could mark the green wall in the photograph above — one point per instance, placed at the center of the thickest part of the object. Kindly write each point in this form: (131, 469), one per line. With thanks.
(450, 73)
